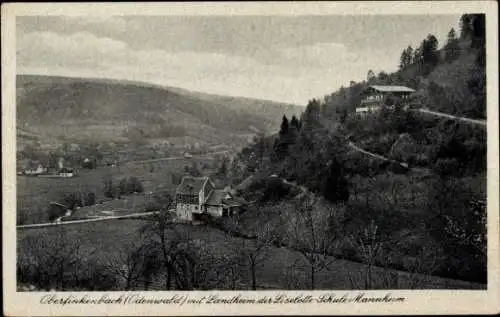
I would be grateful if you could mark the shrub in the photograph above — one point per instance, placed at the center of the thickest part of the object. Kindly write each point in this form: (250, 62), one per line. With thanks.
(268, 189)
(54, 212)
(151, 206)
(135, 185)
(90, 199)
(130, 185)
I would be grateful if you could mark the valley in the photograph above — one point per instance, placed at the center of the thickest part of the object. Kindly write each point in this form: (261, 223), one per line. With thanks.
(378, 185)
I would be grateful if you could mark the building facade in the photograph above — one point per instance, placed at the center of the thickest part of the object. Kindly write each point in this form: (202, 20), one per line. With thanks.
(196, 196)
(376, 96)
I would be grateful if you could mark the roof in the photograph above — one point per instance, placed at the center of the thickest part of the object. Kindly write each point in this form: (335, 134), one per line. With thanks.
(245, 183)
(216, 196)
(391, 88)
(191, 185)
(234, 202)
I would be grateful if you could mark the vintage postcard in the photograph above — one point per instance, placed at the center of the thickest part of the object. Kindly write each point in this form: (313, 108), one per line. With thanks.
(250, 158)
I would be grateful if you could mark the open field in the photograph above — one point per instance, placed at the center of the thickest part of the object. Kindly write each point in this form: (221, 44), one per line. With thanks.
(282, 268)
(34, 193)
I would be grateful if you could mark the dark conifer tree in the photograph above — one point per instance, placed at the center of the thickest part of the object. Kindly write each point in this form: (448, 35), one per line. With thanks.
(429, 50)
(284, 140)
(452, 47)
(294, 123)
(284, 126)
(478, 31)
(465, 26)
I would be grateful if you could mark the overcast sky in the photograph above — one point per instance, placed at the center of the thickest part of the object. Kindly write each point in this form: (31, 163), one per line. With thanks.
(288, 59)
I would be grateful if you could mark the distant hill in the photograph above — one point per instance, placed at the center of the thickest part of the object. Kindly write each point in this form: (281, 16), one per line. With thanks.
(102, 108)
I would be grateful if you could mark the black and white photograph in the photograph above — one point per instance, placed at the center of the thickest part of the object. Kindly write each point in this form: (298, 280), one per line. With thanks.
(251, 152)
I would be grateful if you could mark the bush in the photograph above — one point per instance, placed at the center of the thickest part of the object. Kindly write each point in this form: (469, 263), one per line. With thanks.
(54, 212)
(90, 199)
(151, 206)
(130, 185)
(135, 185)
(268, 189)
(109, 189)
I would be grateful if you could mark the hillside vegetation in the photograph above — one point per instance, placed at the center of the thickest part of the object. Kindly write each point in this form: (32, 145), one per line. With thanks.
(429, 217)
(450, 80)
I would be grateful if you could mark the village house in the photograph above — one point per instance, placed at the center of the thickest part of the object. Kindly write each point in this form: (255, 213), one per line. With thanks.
(198, 195)
(375, 97)
(34, 169)
(66, 172)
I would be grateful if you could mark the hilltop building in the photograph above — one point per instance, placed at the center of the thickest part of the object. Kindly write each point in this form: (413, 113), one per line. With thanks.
(198, 195)
(376, 96)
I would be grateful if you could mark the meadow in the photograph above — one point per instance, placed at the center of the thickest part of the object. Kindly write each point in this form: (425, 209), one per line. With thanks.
(35, 193)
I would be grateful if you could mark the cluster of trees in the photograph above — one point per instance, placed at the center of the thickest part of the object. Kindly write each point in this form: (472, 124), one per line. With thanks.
(86, 154)
(55, 262)
(71, 202)
(425, 55)
(192, 170)
(441, 144)
(472, 28)
(126, 186)
(308, 151)
(264, 190)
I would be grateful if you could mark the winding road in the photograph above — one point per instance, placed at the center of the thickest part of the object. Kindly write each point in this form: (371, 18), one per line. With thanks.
(449, 116)
(358, 149)
(72, 222)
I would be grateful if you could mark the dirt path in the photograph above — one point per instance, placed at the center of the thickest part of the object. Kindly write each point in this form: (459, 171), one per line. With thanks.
(173, 158)
(420, 170)
(303, 190)
(358, 149)
(449, 116)
(72, 222)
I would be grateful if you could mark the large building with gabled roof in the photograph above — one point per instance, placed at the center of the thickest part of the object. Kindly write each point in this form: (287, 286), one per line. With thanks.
(374, 96)
(198, 195)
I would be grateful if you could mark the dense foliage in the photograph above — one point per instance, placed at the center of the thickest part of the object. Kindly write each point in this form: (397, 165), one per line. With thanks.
(408, 215)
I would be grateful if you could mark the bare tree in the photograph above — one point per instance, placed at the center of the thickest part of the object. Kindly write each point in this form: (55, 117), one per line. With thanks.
(181, 257)
(49, 261)
(129, 263)
(155, 231)
(313, 230)
(368, 246)
(253, 252)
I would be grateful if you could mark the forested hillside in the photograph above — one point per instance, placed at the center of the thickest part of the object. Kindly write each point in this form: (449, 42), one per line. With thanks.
(427, 217)
(451, 79)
